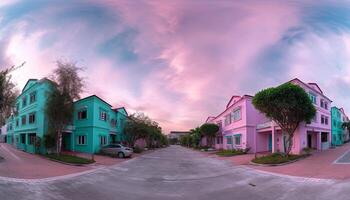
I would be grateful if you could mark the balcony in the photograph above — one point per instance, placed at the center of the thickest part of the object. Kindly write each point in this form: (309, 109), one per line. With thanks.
(264, 125)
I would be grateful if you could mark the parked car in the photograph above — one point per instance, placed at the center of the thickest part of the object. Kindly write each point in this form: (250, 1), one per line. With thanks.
(118, 150)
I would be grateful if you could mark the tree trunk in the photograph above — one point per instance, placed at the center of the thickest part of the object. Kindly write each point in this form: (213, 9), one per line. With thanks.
(290, 143)
(59, 141)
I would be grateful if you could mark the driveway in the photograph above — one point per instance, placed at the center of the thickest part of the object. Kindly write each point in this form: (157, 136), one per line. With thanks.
(175, 173)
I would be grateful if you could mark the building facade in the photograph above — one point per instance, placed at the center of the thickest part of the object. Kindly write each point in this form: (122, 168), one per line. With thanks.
(237, 124)
(95, 124)
(339, 134)
(242, 126)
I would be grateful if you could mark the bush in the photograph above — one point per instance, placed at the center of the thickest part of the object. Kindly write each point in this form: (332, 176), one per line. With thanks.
(49, 141)
(231, 152)
(138, 149)
(307, 150)
(69, 159)
(276, 158)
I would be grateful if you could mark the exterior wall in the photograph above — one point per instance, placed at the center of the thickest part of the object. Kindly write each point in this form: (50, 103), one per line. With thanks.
(244, 127)
(316, 128)
(39, 127)
(92, 127)
(261, 134)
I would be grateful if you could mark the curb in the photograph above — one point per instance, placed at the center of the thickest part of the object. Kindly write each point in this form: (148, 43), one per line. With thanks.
(278, 164)
(71, 164)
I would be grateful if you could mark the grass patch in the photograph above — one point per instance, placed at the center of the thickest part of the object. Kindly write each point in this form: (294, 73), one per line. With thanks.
(69, 159)
(231, 152)
(276, 158)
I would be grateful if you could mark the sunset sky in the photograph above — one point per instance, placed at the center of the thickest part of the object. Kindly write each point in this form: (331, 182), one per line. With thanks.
(180, 61)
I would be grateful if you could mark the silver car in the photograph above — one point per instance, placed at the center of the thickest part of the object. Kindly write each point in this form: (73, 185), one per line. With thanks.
(117, 149)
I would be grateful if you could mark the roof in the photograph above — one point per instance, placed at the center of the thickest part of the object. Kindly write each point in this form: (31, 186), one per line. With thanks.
(29, 80)
(309, 86)
(93, 96)
(242, 97)
(121, 108)
(315, 84)
(233, 96)
(179, 132)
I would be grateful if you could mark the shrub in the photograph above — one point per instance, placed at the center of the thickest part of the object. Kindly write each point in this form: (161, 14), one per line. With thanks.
(231, 152)
(276, 158)
(138, 149)
(307, 150)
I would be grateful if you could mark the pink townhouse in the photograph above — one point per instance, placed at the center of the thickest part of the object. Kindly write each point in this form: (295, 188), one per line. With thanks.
(242, 126)
(316, 135)
(237, 124)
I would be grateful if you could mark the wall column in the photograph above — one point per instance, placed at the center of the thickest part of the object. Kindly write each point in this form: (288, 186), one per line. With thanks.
(273, 140)
(319, 143)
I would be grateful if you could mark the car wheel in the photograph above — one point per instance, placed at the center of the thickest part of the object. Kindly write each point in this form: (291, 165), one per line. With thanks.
(121, 155)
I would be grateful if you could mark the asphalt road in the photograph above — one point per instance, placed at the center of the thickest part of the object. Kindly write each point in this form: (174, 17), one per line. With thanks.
(174, 173)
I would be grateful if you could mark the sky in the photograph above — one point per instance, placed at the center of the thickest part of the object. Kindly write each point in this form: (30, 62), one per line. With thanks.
(179, 61)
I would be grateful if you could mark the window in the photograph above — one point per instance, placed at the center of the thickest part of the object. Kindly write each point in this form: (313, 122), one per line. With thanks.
(218, 140)
(23, 119)
(324, 119)
(237, 114)
(103, 140)
(24, 101)
(82, 139)
(17, 122)
(82, 114)
(32, 97)
(23, 138)
(238, 139)
(103, 115)
(313, 98)
(32, 138)
(324, 104)
(113, 122)
(324, 137)
(229, 140)
(227, 119)
(31, 118)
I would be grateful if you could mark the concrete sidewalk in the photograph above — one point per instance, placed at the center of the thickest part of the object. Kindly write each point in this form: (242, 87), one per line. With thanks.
(19, 164)
(320, 165)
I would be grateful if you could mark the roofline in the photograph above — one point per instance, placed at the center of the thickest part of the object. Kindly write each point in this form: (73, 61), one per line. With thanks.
(116, 110)
(242, 97)
(31, 79)
(310, 88)
(93, 96)
(316, 86)
(231, 100)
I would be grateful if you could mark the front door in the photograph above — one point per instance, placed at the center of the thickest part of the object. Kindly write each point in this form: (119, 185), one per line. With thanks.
(270, 142)
(309, 141)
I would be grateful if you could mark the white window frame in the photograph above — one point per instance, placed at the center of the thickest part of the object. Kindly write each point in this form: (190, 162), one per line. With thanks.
(82, 140)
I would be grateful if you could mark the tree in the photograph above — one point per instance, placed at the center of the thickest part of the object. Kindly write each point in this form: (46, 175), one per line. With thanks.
(8, 93)
(209, 130)
(67, 86)
(346, 125)
(196, 136)
(288, 105)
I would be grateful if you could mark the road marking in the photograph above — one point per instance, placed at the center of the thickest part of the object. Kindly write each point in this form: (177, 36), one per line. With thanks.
(9, 152)
(341, 157)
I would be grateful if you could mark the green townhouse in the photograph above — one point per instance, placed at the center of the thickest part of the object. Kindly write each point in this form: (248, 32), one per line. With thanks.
(95, 123)
(339, 135)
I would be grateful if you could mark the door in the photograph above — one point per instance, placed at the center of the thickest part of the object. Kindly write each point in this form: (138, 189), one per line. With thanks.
(270, 142)
(309, 141)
